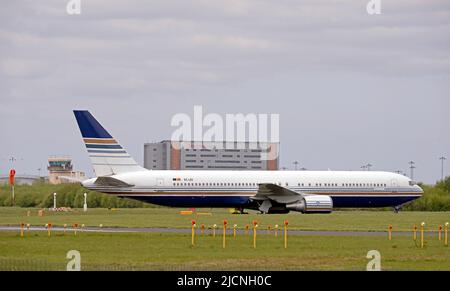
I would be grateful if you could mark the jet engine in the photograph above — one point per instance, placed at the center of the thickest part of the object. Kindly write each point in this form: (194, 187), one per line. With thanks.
(312, 204)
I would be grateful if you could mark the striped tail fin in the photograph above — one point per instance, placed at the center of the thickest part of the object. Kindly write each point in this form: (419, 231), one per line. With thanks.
(107, 156)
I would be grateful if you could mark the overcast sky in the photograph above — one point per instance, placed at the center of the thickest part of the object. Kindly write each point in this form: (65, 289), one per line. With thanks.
(350, 88)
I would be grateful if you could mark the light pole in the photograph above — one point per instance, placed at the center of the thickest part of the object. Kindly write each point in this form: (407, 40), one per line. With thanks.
(85, 202)
(295, 165)
(54, 201)
(369, 165)
(412, 167)
(442, 167)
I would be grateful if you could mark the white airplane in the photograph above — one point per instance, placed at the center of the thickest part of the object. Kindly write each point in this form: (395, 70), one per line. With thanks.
(267, 191)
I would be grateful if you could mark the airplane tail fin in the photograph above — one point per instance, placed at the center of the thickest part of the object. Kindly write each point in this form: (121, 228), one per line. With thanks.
(107, 156)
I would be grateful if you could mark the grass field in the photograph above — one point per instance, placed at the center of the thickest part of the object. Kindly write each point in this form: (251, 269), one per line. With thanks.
(172, 251)
(170, 218)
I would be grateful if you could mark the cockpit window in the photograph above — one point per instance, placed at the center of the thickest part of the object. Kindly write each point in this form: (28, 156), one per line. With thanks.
(412, 183)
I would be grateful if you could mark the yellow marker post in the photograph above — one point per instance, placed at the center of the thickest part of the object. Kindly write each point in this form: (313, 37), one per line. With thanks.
(268, 229)
(285, 233)
(224, 241)
(415, 232)
(246, 229)
(422, 225)
(28, 229)
(193, 233)
(440, 232)
(214, 230)
(202, 229)
(255, 225)
(21, 229)
(65, 228)
(446, 234)
(390, 231)
(75, 226)
(276, 230)
(234, 230)
(49, 229)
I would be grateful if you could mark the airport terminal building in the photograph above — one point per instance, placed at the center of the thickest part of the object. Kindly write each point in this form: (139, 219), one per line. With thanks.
(168, 155)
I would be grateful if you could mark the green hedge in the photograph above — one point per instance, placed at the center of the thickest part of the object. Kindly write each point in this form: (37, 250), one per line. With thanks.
(69, 195)
(435, 198)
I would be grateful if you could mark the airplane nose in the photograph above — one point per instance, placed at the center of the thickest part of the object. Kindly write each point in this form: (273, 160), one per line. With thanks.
(418, 189)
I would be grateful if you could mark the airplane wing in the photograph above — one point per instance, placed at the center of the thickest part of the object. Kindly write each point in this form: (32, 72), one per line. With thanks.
(269, 192)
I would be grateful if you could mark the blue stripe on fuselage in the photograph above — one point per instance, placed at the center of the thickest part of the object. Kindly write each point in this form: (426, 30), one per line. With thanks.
(242, 201)
(370, 201)
(195, 201)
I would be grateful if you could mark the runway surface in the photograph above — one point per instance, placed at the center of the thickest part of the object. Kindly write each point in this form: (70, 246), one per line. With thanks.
(207, 231)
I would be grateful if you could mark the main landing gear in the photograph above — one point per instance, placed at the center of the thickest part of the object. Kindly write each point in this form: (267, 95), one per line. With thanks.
(397, 208)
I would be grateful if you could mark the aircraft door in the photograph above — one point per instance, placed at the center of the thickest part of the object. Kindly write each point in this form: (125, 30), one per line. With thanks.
(394, 185)
(160, 182)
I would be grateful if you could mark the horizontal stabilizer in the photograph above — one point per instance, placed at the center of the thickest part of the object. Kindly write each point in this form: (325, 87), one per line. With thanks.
(111, 182)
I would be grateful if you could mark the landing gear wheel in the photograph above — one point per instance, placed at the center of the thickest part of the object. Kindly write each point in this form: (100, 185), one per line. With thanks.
(397, 209)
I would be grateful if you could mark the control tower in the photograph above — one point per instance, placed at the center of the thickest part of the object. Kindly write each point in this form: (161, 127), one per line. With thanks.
(61, 171)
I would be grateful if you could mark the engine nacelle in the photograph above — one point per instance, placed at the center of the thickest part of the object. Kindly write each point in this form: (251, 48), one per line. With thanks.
(313, 204)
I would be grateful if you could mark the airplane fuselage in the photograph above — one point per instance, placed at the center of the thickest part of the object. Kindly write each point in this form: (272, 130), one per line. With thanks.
(236, 188)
